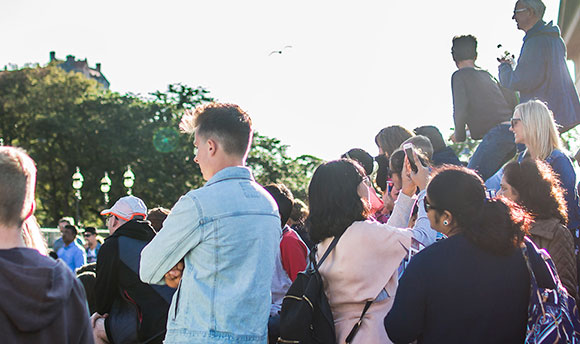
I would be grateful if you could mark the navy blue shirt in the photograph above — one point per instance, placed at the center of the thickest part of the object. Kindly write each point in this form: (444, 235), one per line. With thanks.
(456, 292)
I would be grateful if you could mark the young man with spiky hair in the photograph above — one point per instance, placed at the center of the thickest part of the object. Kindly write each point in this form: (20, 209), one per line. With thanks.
(218, 245)
(42, 301)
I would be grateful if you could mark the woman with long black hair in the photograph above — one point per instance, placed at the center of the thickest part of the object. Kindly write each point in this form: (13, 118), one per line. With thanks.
(472, 287)
(363, 266)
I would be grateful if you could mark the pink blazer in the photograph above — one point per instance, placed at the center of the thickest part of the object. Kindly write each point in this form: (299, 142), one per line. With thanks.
(364, 261)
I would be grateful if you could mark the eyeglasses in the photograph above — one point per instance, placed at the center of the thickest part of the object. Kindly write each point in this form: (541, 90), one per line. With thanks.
(86, 235)
(515, 121)
(520, 10)
(428, 206)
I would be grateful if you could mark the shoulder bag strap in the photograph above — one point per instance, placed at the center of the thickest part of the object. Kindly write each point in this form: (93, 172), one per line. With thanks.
(533, 281)
(356, 326)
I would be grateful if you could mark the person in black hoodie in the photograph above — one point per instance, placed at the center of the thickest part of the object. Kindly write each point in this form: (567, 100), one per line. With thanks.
(41, 301)
(128, 310)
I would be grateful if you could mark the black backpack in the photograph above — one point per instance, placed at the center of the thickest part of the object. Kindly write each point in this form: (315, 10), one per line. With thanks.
(306, 317)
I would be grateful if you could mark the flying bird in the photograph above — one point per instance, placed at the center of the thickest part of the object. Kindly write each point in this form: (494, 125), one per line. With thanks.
(280, 51)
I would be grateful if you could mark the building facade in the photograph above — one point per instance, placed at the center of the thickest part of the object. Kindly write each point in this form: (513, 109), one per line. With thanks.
(81, 66)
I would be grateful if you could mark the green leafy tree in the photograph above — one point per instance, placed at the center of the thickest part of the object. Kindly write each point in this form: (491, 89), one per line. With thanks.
(65, 120)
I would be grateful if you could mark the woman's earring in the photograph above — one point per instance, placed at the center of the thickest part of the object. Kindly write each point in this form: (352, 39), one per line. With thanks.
(445, 222)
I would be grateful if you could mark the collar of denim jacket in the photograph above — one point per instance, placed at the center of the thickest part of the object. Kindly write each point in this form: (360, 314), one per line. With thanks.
(233, 172)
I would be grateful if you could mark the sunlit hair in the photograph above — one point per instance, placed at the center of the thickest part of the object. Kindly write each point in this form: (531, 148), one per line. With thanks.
(464, 48)
(397, 160)
(299, 212)
(495, 225)
(537, 6)
(334, 200)
(538, 189)
(421, 143)
(17, 186)
(540, 130)
(284, 199)
(390, 138)
(226, 123)
(156, 216)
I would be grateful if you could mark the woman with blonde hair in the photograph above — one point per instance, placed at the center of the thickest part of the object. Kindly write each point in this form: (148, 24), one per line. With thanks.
(533, 125)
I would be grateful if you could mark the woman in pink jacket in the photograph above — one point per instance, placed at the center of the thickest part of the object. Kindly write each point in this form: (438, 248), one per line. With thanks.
(363, 265)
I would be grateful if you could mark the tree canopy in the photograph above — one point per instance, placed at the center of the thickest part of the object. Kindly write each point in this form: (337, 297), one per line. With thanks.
(65, 120)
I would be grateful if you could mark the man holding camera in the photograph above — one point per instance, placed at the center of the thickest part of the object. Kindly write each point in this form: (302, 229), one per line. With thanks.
(541, 71)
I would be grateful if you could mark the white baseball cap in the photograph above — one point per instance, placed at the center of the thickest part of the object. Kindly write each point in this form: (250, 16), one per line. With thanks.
(127, 207)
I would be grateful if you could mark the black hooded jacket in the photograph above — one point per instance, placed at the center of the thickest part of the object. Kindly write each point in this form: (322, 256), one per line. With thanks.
(41, 301)
(118, 271)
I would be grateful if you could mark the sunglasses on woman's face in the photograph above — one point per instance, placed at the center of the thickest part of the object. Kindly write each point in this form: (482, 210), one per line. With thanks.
(515, 121)
(428, 205)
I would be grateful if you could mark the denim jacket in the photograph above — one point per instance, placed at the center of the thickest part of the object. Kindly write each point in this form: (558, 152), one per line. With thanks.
(227, 232)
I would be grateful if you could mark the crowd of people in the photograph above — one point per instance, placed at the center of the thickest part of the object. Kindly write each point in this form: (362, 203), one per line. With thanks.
(417, 245)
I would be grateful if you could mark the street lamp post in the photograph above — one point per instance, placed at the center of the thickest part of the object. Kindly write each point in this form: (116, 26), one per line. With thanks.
(129, 180)
(106, 187)
(77, 184)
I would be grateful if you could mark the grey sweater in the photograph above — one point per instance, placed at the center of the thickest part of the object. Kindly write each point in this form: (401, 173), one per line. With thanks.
(477, 102)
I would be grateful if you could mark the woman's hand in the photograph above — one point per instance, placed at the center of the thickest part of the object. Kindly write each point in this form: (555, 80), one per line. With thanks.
(421, 177)
(408, 185)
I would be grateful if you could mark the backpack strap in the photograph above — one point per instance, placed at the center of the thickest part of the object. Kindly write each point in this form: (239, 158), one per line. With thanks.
(356, 326)
(330, 247)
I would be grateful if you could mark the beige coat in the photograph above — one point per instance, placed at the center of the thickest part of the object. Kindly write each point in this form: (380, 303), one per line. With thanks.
(364, 261)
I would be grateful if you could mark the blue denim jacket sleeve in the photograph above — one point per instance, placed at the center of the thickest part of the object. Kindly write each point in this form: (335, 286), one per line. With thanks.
(530, 70)
(422, 230)
(179, 235)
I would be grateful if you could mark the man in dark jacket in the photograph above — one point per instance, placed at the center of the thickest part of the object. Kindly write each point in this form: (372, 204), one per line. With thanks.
(118, 287)
(41, 301)
(541, 71)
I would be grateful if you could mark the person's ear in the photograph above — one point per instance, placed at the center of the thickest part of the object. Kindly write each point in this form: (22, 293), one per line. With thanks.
(212, 147)
(447, 218)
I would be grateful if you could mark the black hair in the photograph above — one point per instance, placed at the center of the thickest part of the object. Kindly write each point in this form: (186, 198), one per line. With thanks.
(383, 171)
(433, 134)
(91, 230)
(362, 157)
(397, 160)
(284, 198)
(495, 225)
(464, 48)
(334, 200)
(156, 216)
(72, 228)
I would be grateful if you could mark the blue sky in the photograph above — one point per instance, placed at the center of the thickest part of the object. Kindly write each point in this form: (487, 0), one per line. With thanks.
(354, 67)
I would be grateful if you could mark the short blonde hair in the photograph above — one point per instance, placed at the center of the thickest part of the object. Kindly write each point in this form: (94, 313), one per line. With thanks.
(17, 186)
(540, 130)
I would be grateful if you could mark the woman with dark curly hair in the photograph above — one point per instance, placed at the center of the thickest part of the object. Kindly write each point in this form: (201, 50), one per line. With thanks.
(363, 264)
(472, 287)
(533, 185)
